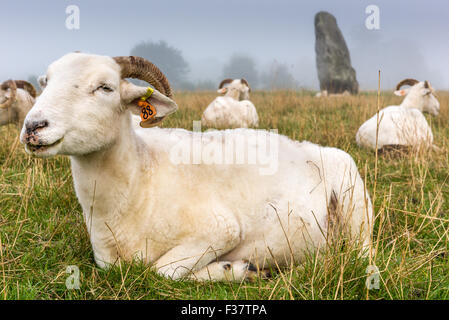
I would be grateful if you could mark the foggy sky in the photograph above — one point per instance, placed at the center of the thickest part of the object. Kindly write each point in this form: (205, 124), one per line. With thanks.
(411, 42)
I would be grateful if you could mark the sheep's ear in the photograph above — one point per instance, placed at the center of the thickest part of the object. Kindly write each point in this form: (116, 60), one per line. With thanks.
(223, 90)
(131, 94)
(42, 80)
(244, 82)
(402, 92)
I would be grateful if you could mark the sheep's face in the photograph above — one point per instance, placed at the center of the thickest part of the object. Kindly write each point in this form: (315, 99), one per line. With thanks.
(17, 111)
(244, 91)
(421, 97)
(237, 89)
(4, 95)
(82, 106)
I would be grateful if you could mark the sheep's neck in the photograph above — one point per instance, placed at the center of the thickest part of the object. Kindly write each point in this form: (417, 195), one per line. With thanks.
(233, 94)
(105, 180)
(409, 102)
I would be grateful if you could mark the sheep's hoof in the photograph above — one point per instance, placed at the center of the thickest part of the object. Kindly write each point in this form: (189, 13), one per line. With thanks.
(258, 273)
(227, 266)
(244, 270)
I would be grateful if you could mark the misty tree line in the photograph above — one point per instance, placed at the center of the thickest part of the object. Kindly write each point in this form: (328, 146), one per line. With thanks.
(172, 63)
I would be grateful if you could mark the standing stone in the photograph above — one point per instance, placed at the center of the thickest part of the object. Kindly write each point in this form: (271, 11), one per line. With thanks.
(332, 56)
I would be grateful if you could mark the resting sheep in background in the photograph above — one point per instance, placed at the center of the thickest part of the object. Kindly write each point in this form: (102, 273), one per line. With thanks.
(402, 125)
(200, 221)
(233, 110)
(16, 99)
(324, 93)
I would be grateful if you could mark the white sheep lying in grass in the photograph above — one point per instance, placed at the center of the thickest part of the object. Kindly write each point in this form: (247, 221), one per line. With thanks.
(402, 125)
(324, 93)
(233, 110)
(16, 99)
(195, 219)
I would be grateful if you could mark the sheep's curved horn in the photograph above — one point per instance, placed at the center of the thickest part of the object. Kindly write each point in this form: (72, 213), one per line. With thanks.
(9, 84)
(426, 84)
(142, 69)
(25, 85)
(224, 82)
(409, 82)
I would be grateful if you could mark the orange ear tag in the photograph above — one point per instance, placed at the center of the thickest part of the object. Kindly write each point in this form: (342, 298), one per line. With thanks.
(147, 112)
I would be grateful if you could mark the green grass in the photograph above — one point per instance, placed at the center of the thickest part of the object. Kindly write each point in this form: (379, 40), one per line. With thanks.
(42, 229)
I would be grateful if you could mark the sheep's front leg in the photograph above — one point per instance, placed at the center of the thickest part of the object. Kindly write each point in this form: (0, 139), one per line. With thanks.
(221, 235)
(194, 264)
(186, 259)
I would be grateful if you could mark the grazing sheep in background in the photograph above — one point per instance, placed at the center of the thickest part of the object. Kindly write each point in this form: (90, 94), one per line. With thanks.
(233, 110)
(202, 221)
(402, 125)
(16, 99)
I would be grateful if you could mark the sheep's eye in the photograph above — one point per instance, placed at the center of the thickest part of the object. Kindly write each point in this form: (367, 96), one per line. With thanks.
(105, 88)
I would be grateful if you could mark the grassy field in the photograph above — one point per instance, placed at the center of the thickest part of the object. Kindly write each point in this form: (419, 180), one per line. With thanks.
(42, 229)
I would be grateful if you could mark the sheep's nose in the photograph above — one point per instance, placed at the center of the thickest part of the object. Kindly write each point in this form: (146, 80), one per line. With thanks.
(33, 126)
